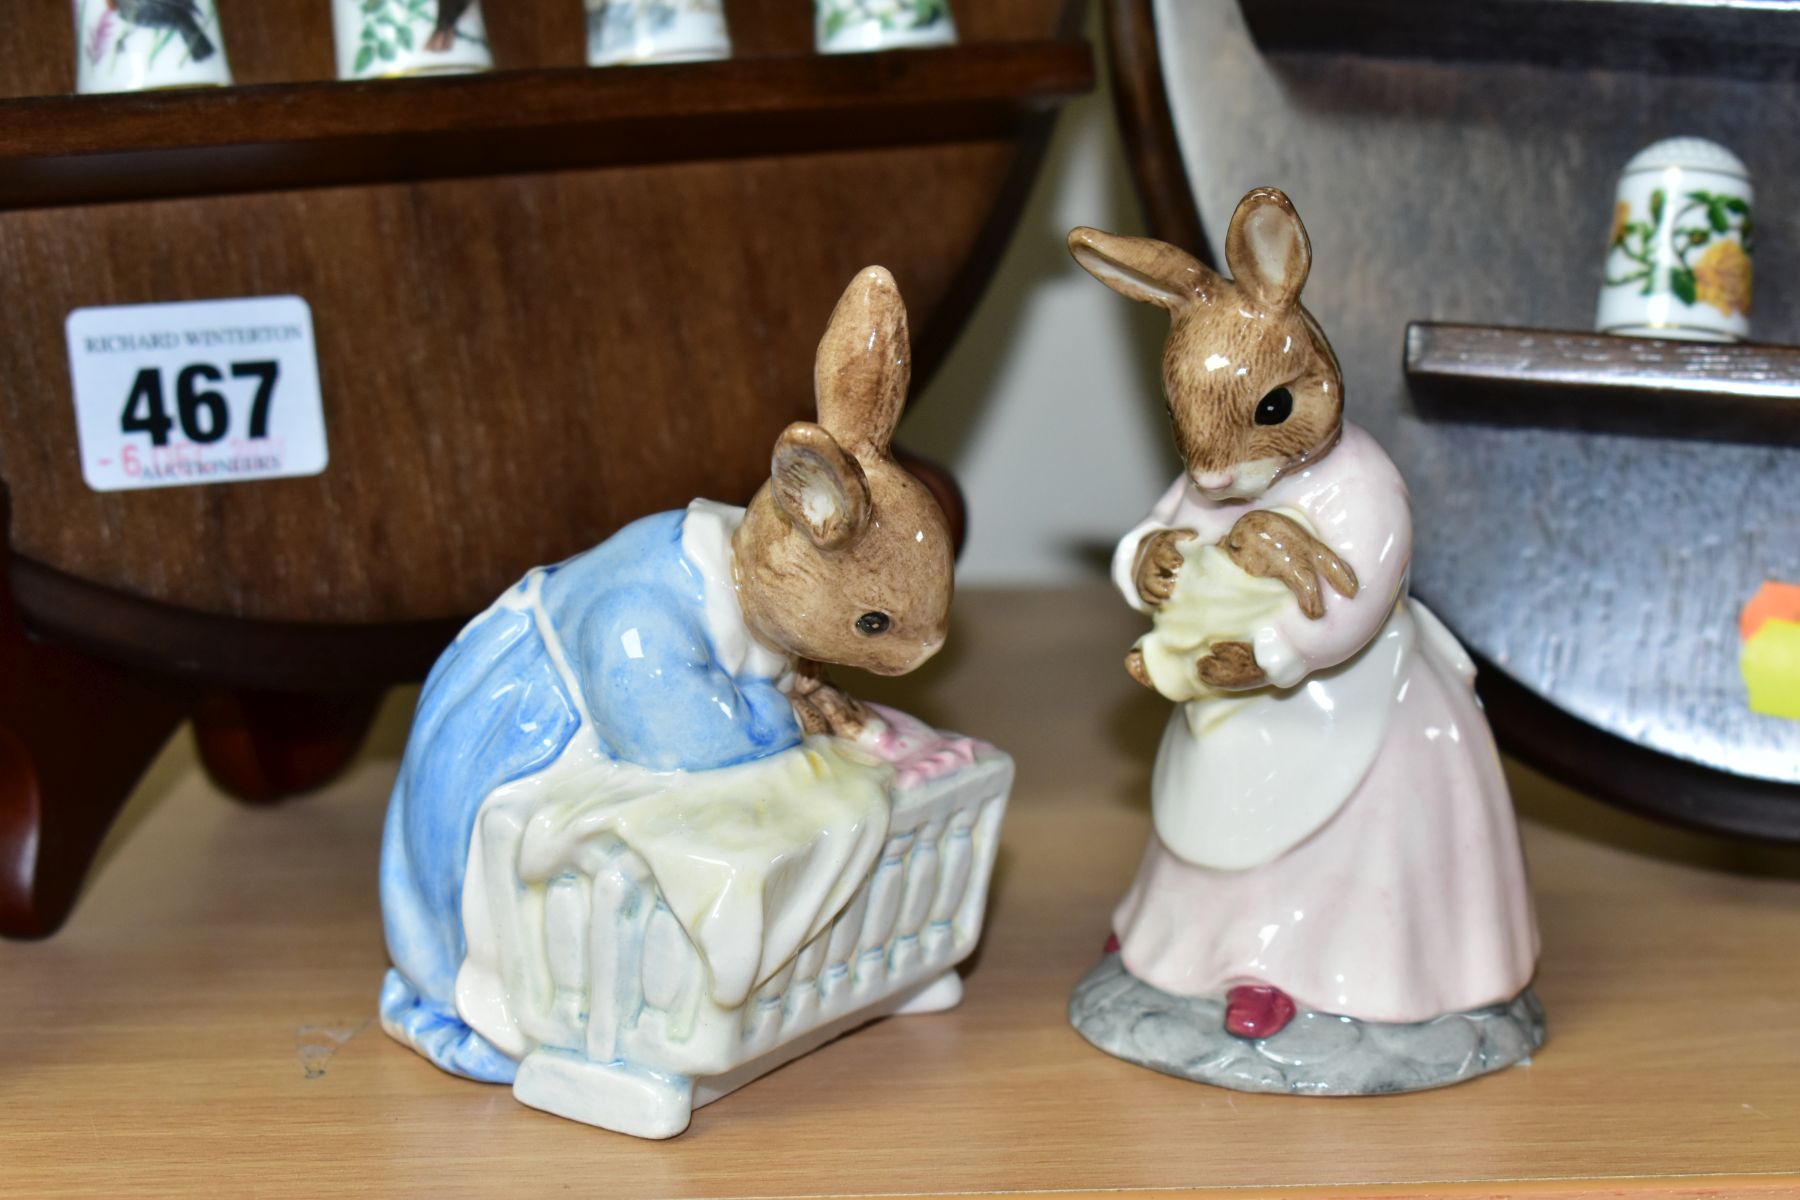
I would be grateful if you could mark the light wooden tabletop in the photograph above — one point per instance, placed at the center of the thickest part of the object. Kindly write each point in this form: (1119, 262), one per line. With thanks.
(205, 1023)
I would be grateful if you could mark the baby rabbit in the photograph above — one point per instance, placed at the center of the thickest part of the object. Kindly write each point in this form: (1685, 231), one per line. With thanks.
(1254, 392)
(689, 640)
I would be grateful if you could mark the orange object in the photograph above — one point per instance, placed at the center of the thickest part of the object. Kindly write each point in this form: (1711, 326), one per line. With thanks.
(1773, 602)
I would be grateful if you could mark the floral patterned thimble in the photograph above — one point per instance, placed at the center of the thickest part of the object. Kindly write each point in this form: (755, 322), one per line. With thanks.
(138, 45)
(1678, 263)
(622, 32)
(384, 39)
(851, 26)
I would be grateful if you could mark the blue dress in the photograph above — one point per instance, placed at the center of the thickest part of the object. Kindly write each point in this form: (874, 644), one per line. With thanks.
(630, 618)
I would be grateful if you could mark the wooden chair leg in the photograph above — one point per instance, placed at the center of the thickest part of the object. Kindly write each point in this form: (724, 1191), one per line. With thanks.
(75, 735)
(262, 746)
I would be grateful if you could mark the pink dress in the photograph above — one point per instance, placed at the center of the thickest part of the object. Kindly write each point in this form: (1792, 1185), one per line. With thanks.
(1349, 840)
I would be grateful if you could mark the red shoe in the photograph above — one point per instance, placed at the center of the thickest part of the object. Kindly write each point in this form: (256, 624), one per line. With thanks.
(1257, 1011)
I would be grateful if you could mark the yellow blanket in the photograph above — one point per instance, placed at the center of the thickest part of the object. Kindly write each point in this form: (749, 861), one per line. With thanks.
(753, 860)
(1214, 600)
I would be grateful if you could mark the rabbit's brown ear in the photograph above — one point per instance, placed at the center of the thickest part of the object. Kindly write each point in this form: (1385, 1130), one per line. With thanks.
(1141, 268)
(864, 364)
(1267, 249)
(819, 485)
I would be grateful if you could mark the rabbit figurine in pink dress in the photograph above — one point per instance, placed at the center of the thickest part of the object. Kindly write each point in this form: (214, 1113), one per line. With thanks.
(1334, 899)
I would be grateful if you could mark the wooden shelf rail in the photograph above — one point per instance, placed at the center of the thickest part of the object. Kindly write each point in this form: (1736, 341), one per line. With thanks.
(1757, 40)
(1604, 384)
(60, 150)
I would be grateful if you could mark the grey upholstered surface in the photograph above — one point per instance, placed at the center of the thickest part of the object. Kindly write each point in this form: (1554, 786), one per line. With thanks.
(1605, 572)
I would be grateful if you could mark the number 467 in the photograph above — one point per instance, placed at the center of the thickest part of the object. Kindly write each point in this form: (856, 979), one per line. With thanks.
(204, 414)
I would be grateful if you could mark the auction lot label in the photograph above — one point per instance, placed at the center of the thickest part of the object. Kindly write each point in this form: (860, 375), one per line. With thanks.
(211, 391)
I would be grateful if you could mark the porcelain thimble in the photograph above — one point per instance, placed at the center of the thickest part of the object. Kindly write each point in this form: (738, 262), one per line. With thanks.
(141, 45)
(854, 26)
(1678, 259)
(384, 39)
(637, 32)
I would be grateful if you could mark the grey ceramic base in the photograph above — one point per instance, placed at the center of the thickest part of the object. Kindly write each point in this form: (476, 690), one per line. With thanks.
(1317, 1054)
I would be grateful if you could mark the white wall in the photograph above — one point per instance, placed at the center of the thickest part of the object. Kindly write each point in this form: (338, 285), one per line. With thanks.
(1049, 410)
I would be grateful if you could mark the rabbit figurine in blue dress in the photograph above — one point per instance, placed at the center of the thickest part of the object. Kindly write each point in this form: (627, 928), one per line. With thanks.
(657, 685)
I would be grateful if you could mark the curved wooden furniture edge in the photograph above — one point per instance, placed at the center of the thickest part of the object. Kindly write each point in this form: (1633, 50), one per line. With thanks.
(262, 747)
(1631, 776)
(1146, 123)
(292, 656)
(946, 322)
(76, 733)
(1018, 169)
(229, 651)
(969, 284)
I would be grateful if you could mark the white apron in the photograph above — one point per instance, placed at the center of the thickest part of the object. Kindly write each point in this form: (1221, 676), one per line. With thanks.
(1243, 778)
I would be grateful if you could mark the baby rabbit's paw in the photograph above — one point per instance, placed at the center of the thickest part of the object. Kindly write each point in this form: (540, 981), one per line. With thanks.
(820, 707)
(1158, 563)
(844, 714)
(1134, 667)
(1273, 546)
(1231, 665)
(808, 716)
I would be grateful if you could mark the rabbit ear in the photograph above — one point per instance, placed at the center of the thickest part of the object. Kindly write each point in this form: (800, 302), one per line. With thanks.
(864, 364)
(819, 485)
(1141, 268)
(1267, 249)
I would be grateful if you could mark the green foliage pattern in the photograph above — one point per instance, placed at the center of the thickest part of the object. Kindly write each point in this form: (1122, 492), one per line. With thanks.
(1700, 218)
(892, 16)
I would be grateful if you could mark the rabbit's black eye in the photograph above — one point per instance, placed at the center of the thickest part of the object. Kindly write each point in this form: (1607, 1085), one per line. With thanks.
(873, 623)
(1275, 407)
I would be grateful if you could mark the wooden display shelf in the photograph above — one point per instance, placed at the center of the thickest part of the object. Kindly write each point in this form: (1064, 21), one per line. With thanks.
(1759, 40)
(1598, 383)
(58, 150)
(204, 1024)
